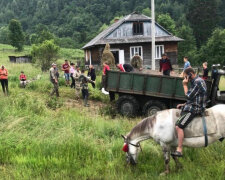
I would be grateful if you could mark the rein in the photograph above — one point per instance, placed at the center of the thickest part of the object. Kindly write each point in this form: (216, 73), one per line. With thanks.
(138, 145)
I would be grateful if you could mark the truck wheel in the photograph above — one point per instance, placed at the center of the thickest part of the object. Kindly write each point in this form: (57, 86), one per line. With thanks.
(127, 105)
(152, 107)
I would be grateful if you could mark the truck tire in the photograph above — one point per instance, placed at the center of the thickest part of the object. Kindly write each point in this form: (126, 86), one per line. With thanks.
(152, 107)
(128, 105)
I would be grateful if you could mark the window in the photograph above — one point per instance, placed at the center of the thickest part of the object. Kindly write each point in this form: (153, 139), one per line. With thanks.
(137, 28)
(159, 50)
(136, 50)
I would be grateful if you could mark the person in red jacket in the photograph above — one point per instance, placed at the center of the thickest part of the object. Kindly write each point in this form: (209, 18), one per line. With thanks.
(124, 67)
(4, 79)
(165, 65)
(23, 79)
(104, 71)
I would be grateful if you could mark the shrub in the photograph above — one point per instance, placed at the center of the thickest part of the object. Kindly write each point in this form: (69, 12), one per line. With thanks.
(45, 54)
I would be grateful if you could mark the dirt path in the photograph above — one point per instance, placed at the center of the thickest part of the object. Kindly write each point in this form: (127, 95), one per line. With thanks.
(93, 109)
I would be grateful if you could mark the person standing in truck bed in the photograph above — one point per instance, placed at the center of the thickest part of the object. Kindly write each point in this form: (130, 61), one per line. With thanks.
(205, 71)
(165, 65)
(124, 67)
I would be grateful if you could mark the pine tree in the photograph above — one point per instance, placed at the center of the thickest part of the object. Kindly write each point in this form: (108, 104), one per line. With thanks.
(167, 22)
(188, 46)
(203, 18)
(16, 35)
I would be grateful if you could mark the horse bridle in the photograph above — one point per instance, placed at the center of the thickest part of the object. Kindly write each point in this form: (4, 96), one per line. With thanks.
(138, 145)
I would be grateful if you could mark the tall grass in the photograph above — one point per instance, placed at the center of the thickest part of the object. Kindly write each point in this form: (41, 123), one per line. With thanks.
(41, 138)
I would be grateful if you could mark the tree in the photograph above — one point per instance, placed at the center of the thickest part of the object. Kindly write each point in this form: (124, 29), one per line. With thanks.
(147, 12)
(45, 54)
(16, 35)
(167, 22)
(4, 33)
(203, 18)
(188, 46)
(214, 50)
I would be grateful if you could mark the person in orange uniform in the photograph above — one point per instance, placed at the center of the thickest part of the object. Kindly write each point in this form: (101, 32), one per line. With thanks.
(4, 79)
(23, 79)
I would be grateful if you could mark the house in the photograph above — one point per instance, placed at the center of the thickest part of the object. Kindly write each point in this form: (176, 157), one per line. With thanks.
(20, 59)
(131, 35)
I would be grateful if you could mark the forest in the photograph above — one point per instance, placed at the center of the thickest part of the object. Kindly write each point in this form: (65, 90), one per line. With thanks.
(45, 137)
(74, 23)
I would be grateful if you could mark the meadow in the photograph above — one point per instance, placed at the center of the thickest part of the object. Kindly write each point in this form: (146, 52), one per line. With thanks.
(42, 137)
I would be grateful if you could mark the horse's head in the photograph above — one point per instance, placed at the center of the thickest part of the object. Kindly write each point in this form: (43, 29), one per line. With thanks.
(131, 151)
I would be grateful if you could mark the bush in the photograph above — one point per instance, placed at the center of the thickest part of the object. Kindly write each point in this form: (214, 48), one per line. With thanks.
(45, 54)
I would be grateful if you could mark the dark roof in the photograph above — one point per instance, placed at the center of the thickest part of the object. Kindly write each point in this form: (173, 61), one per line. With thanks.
(101, 38)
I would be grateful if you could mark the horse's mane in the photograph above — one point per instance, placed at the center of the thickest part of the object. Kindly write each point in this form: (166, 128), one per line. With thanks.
(141, 126)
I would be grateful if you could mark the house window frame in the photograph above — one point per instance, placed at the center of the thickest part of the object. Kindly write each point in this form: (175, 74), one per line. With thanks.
(139, 27)
(135, 52)
(159, 55)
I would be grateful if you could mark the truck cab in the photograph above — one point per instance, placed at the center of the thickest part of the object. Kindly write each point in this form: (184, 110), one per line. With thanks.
(218, 85)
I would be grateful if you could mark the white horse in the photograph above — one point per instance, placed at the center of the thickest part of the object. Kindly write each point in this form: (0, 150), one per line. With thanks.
(161, 127)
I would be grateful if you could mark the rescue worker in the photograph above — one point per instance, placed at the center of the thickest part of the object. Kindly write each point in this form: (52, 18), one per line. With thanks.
(54, 76)
(23, 79)
(4, 79)
(91, 74)
(76, 76)
(165, 65)
(84, 87)
(124, 67)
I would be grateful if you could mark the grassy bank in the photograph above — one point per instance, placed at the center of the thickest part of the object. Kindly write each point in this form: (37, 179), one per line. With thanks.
(44, 138)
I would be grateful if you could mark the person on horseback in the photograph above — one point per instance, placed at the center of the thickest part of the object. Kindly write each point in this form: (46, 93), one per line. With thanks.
(195, 105)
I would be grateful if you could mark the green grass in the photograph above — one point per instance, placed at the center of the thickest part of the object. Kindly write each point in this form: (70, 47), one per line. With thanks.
(42, 138)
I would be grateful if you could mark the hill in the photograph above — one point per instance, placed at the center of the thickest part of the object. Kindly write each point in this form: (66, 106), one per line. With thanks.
(76, 22)
(46, 138)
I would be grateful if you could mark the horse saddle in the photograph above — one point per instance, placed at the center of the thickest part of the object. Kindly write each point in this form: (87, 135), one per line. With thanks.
(196, 127)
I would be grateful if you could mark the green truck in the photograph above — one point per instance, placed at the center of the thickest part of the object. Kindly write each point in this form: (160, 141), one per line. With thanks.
(145, 94)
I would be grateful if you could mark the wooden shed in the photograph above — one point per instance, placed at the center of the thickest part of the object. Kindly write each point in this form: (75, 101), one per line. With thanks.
(20, 59)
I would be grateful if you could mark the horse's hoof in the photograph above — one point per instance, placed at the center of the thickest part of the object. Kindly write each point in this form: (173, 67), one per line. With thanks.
(164, 173)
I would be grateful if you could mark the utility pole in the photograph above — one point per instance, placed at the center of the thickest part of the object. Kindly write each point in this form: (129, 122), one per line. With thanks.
(153, 33)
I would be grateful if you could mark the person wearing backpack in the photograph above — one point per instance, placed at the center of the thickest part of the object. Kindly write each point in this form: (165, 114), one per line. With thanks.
(84, 80)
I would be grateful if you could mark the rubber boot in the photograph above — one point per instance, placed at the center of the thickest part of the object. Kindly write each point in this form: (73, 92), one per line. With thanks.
(86, 102)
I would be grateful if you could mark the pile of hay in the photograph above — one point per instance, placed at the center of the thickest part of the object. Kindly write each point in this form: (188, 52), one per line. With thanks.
(107, 56)
(136, 61)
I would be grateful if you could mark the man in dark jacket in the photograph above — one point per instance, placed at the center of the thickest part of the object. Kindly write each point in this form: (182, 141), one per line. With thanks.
(125, 67)
(91, 74)
(165, 65)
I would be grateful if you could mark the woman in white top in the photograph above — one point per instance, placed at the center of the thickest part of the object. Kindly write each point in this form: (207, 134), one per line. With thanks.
(72, 71)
